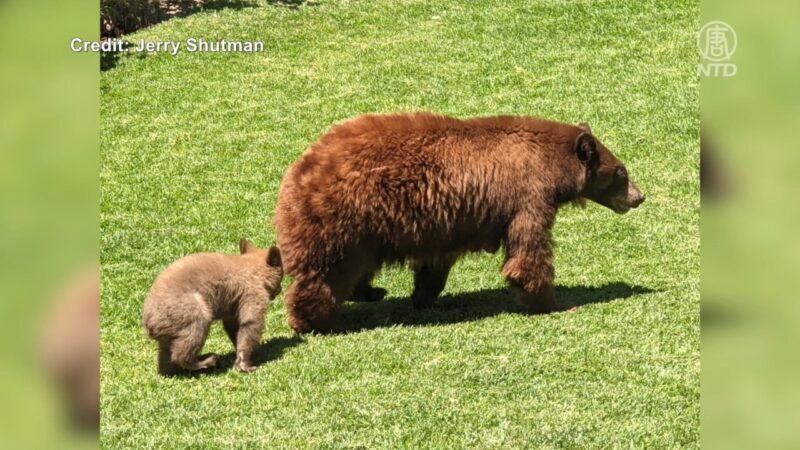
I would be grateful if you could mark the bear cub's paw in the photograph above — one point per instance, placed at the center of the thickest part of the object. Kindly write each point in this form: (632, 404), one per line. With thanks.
(207, 361)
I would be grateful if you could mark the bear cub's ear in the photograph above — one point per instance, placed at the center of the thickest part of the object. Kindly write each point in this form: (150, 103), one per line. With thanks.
(585, 127)
(274, 257)
(586, 148)
(246, 246)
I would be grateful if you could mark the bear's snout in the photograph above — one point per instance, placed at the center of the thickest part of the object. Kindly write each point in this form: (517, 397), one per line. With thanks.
(623, 203)
(635, 196)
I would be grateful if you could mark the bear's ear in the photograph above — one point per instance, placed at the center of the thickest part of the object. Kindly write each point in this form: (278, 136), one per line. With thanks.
(586, 148)
(274, 257)
(585, 127)
(245, 246)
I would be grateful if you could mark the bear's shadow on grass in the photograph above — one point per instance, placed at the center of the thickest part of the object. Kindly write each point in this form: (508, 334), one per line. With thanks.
(291, 4)
(470, 306)
(448, 309)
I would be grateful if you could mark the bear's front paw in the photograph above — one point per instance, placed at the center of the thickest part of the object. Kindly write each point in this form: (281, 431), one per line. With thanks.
(246, 367)
(541, 302)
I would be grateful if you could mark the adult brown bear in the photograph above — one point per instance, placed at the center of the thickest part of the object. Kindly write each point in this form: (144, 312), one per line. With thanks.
(427, 188)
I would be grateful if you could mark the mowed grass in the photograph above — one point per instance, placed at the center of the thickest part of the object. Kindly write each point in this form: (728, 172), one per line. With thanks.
(194, 148)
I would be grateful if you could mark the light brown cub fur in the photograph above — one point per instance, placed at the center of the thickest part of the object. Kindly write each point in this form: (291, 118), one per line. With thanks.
(200, 288)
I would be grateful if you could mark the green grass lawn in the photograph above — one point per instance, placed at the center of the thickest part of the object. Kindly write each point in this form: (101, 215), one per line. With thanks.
(193, 151)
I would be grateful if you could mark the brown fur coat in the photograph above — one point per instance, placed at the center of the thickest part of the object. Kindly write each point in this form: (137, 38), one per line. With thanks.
(428, 188)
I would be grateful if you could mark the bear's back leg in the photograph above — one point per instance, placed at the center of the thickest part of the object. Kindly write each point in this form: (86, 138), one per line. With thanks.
(165, 364)
(315, 298)
(311, 305)
(185, 348)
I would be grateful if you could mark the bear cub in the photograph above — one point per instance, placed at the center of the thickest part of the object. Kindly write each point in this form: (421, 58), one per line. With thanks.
(196, 290)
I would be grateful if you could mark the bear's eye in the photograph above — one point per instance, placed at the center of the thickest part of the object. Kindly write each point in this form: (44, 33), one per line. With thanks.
(622, 174)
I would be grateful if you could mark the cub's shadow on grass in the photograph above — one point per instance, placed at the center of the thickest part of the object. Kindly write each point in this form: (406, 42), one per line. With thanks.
(269, 351)
(470, 306)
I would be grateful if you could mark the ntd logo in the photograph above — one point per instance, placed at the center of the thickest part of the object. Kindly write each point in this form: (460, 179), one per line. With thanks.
(717, 42)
